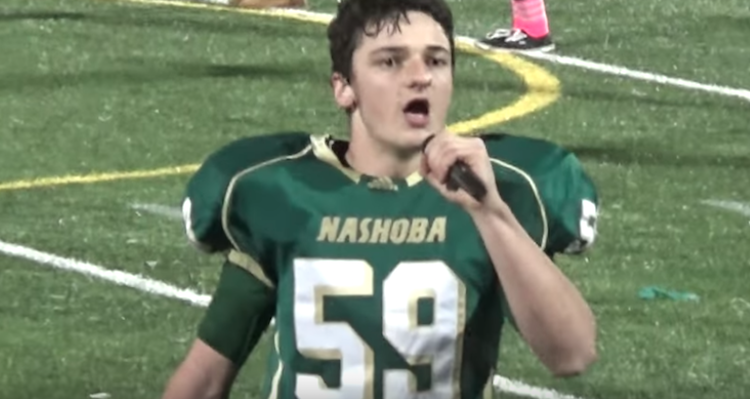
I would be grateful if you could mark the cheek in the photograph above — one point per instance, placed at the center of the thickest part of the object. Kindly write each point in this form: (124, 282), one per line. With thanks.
(377, 98)
(446, 83)
(444, 95)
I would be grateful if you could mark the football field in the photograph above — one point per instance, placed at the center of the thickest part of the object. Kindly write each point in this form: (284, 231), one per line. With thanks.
(107, 106)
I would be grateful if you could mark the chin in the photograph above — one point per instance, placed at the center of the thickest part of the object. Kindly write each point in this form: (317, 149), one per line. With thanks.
(414, 138)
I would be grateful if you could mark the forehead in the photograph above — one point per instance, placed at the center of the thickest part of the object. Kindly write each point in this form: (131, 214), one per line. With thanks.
(417, 30)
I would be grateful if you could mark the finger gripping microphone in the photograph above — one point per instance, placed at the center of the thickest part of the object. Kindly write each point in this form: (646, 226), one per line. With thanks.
(461, 176)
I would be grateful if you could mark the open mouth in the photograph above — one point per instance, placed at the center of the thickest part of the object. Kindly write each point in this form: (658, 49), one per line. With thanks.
(417, 112)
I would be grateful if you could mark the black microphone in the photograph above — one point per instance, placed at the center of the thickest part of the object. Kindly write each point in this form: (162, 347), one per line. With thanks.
(461, 176)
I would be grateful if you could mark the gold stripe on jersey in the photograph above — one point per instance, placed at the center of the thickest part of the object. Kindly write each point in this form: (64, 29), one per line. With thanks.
(537, 196)
(233, 183)
(249, 263)
(279, 369)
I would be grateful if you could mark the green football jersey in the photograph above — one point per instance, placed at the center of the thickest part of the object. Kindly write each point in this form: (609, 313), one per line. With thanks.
(381, 288)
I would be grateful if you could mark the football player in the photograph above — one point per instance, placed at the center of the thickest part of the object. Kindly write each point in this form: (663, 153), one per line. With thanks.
(383, 280)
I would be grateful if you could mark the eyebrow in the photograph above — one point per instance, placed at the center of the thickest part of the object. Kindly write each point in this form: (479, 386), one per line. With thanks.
(434, 48)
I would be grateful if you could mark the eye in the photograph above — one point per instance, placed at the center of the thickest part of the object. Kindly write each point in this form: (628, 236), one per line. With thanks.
(437, 61)
(388, 62)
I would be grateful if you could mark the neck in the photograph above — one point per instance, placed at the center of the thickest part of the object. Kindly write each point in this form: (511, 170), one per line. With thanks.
(372, 158)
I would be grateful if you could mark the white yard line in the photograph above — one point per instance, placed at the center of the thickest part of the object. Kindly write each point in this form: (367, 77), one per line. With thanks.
(140, 283)
(519, 388)
(160, 288)
(161, 210)
(171, 212)
(734, 206)
(639, 75)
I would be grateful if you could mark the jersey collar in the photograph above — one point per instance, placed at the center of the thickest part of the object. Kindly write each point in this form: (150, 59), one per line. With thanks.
(321, 145)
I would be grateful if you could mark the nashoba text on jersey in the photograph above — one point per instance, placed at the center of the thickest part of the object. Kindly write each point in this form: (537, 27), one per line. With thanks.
(368, 230)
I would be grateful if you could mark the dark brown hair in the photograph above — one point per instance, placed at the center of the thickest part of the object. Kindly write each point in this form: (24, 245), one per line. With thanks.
(369, 17)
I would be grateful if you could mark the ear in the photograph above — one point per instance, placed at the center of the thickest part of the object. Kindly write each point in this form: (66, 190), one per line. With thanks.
(343, 92)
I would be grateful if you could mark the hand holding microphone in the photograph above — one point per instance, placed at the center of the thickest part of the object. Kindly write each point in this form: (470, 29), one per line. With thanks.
(460, 175)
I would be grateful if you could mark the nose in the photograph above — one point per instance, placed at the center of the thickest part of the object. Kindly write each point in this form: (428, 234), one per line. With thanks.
(418, 73)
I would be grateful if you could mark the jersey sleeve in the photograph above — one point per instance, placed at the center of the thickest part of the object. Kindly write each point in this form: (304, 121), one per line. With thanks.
(202, 208)
(240, 311)
(572, 205)
(213, 220)
(568, 195)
